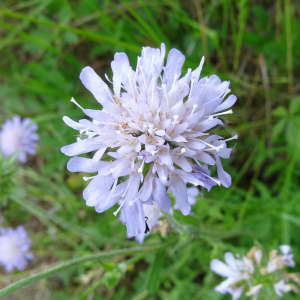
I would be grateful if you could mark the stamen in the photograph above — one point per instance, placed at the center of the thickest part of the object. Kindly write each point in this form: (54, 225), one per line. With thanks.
(129, 181)
(109, 94)
(228, 91)
(75, 102)
(88, 178)
(235, 137)
(111, 191)
(219, 114)
(140, 169)
(215, 180)
(217, 148)
(116, 212)
(107, 78)
(132, 202)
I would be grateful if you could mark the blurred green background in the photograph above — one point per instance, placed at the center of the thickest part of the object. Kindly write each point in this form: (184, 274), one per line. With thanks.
(254, 44)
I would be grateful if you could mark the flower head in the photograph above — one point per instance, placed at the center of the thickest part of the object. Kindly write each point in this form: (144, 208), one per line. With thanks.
(14, 246)
(17, 135)
(151, 136)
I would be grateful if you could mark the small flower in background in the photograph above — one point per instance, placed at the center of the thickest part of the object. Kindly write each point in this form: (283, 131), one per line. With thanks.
(279, 261)
(151, 136)
(245, 271)
(235, 269)
(282, 287)
(14, 247)
(17, 135)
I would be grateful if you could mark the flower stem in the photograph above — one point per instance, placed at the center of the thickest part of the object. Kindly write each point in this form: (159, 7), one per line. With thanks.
(76, 261)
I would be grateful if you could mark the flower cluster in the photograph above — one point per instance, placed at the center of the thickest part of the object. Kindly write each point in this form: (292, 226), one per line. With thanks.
(14, 246)
(17, 135)
(151, 136)
(244, 270)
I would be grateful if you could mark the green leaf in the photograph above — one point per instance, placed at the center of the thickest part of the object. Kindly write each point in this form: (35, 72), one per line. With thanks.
(155, 271)
(280, 112)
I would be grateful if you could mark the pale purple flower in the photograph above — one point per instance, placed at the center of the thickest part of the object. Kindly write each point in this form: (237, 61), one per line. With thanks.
(17, 135)
(151, 136)
(14, 247)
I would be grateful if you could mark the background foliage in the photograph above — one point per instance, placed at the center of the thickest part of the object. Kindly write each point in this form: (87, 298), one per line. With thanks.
(255, 44)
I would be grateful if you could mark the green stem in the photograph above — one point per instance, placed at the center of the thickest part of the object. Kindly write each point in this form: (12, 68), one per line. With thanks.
(44, 274)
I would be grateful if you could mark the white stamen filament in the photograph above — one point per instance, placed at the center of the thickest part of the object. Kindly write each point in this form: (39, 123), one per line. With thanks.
(107, 78)
(111, 191)
(109, 94)
(129, 181)
(219, 114)
(132, 201)
(215, 180)
(228, 91)
(217, 148)
(75, 102)
(235, 137)
(140, 170)
(88, 178)
(116, 212)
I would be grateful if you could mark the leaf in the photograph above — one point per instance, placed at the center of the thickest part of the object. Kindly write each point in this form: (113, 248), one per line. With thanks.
(155, 271)
(280, 112)
(263, 190)
(278, 128)
(295, 106)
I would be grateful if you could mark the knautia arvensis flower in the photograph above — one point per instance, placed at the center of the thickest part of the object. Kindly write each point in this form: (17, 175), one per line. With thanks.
(246, 274)
(17, 135)
(14, 247)
(151, 136)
